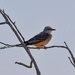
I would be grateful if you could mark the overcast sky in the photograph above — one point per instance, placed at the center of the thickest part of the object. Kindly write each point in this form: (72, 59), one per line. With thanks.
(31, 16)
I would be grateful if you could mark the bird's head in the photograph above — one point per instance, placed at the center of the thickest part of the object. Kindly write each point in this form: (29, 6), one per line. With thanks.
(48, 29)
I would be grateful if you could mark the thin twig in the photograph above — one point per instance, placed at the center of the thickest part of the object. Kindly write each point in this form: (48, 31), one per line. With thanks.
(28, 66)
(71, 62)
(3, 23)
(4, 44)
(73, 59)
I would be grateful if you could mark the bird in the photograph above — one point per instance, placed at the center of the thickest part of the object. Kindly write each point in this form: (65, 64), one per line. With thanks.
(40, 39)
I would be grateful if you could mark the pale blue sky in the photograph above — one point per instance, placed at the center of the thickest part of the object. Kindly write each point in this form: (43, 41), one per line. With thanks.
(31, 17)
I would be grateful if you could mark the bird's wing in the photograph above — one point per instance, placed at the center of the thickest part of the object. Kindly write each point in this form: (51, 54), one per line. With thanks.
(38, 38)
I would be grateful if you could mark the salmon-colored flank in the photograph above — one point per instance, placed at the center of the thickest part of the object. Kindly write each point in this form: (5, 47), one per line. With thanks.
(43, 43)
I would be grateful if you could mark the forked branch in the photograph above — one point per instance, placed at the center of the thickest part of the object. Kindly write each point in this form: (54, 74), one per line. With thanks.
(19, 36)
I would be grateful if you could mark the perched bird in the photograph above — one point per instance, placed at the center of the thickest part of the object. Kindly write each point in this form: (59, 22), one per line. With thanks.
(40, 39)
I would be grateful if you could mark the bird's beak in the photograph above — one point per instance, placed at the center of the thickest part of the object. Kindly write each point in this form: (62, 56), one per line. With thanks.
(53, 29)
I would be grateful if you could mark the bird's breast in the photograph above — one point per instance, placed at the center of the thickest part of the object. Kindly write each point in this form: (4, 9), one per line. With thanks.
(44, 42)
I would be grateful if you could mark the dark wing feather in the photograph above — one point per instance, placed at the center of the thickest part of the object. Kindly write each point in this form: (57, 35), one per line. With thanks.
(38, 38)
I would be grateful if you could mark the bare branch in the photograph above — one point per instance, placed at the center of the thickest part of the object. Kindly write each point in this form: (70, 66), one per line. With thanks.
(54, 46)
(16, 45)
(4, 44)
(2, 13)
(28, 66)
(3, 23)
(9, 22)
(73, 59)
(71, 62)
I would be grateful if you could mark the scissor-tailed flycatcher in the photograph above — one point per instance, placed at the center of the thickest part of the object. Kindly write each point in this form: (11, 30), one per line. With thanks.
(40, 39)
